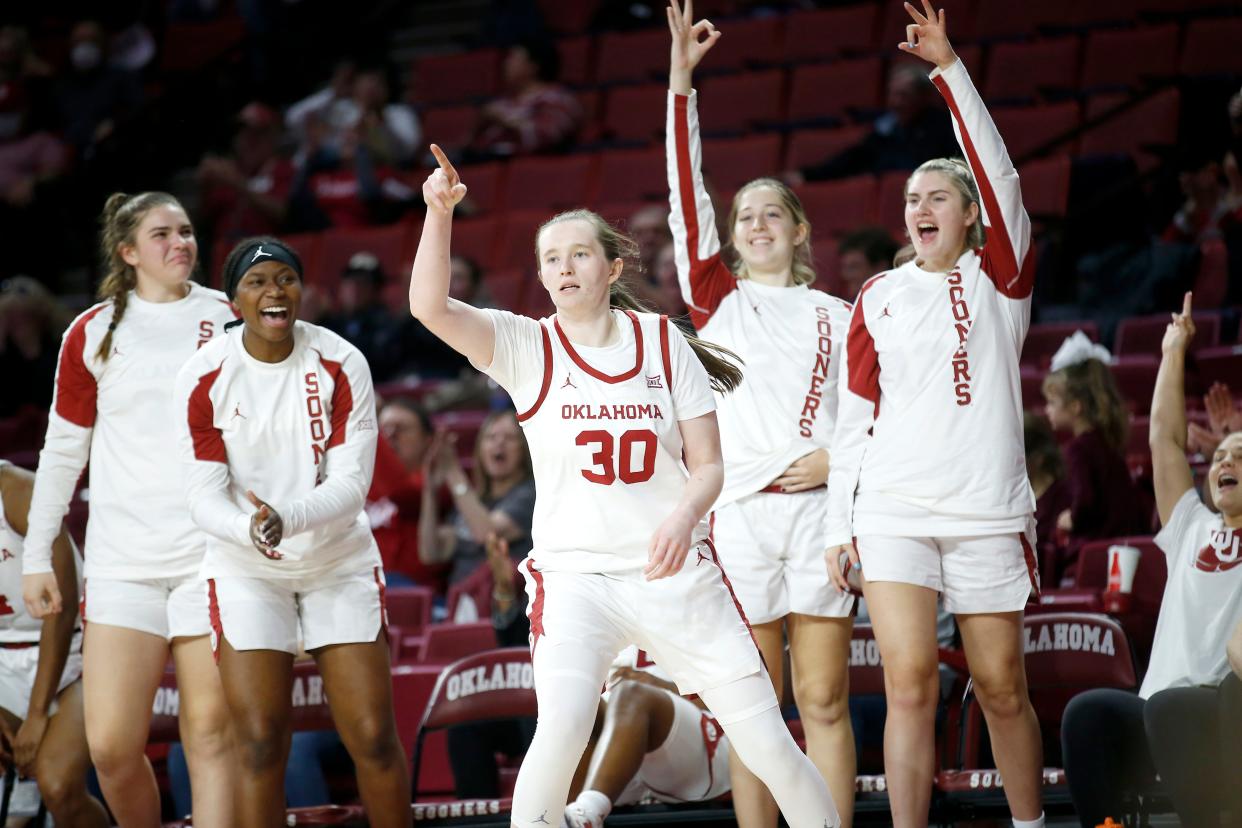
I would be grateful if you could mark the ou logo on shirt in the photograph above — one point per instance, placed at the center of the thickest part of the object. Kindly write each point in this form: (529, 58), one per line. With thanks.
(1221, 553)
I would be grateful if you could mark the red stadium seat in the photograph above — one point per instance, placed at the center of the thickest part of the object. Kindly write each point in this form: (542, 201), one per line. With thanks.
(1043, 340)
(1032, 386)
(1026, 128)
(576, 54)
(997, 21)
(636, 113)
(568, 18)
(392, 244)
(1149, 578)
(625, 57)
(484, 184)
(1045, 186)
(450, 126)
(1212, 47)
(959, 16)
(814, 146)
(1223, 364)
(449, 642)
(890, 208)
(731, 162)
(187, 47)
(825, 34)
(592, 103)
(456, 77)
(409, 608)
(475, 238)
(489, 686)
(1152, 123)
(735, 103)
(1136, 380)
(508, 287)
(463, 424)
(515, 242)
(1212, 279)
(834, 90)
(752, 43)
(1143, 334)
(837, 207)
(1023, 71)
(1128, 58)
(627, 176)
(553, 183)
(309, 248)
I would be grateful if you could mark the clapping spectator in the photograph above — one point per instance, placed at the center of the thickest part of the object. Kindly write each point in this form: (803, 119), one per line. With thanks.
(246, 193)
(356, 105)
(345, 187)
(537, 114)
(361, 315)
(94, 95)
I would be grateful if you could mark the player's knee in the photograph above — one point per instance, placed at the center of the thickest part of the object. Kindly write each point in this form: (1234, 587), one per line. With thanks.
(115, 754)
(375, 742)
(1002, 699)
(915, 688)
(824, 703)
(207, 734)
(260, 742)
(569, 723)
(60, 791)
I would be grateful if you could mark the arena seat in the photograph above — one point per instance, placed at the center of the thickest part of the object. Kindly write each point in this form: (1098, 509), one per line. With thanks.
(477, 586)
(1212, 47)
(1043, 340)
(960, 15)
(463, 425)
(409, 608)
(1212, 278)
(631, 175)
(457, 77)
(476, 238)
(825, 34)
(1222, 364)
(635, 113)
(508, 286)
(836, 207)
(731, 162)
(446, 642)
(515, 239)
(1129, 57)
(835, 91)
(753, 43)
(1137, 613)
(736, 103)
(576, 53)
(1027, 71)
(308, 247)
(392, 244)
(999, 21)
(1045, 186)
(549, 182)
(449, 126)
(1066, 653)
(1026, 128)
(484, 183)
(1136, 380)
(495, 685)
(814, 146)
(1149, 125)
(890, 206)
(628, 57)
(1143, 334)
(1032, 378)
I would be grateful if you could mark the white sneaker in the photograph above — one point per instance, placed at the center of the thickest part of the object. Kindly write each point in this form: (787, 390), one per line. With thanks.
(577, 816)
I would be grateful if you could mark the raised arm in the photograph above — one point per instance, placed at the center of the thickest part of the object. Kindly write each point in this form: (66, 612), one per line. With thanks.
(1006, 253)
(703, 276)
(463, 328)
(1168, 415)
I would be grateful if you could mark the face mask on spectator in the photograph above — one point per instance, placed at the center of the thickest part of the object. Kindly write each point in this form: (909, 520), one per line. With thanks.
(85, 56)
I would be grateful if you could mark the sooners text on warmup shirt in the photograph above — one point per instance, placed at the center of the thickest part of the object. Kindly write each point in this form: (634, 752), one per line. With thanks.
(928, 439)
(791, 338)
(119, 414)
(299, 433)
(602, 425)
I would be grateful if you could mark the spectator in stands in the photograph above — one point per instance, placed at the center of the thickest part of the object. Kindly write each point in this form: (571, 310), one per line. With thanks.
(357, 101)
(31, 322)
(394, 503)
(29, 156)
(1045, 468)
(537, 114)
(914, 128)
(500, 499)
(361, 315)
(389, 129)
(861, 255)
(1213, 204)
(246, 193)
(648, 227)
(316, 305)
(1082, 397)
(94, 96)
(1223, 420)
(23, 74)
(429, 355)
(1186, 721)
(345, 187)
(667, 289)
(314, 120)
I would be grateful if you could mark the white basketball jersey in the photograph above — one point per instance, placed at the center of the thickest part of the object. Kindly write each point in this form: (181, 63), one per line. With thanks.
(602, 424)
(17, 625)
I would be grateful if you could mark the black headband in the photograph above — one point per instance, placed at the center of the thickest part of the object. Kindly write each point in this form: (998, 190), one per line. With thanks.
(256, 254)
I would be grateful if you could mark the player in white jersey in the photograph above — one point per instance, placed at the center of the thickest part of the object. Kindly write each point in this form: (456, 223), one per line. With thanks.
(650, 743)
(928, 473)
(611, 401)
(775, 429)
(277, 437)
(40, 668)
(143, 595)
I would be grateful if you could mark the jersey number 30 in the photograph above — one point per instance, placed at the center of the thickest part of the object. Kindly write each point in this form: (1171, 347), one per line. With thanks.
(606, 470)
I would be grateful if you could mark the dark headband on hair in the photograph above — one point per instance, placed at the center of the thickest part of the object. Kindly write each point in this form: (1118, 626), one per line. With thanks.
(257, 254)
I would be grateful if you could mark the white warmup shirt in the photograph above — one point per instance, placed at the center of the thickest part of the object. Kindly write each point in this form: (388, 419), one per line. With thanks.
(928, 437)
(1202, 599)
(790, 338)
(300, 434)
(118, 414)
(602, 425)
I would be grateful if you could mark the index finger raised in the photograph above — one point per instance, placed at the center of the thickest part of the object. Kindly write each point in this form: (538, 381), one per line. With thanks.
(445, 163)
(1186, 302)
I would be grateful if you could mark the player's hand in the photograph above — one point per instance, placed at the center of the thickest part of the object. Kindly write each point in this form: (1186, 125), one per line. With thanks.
(266, 528)
(807, 472)
(832, 559)
(41, 594)
(1065, 521)
(1180, 331)
(443, 188)
(669, 545)
(26, 743)
(927, 37)
(687, 47)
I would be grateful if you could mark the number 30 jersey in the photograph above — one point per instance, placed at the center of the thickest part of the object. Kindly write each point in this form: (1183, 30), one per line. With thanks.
(602, 425)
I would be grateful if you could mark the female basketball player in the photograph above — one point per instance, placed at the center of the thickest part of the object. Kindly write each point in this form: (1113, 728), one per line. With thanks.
(929, 434)
(278, 434)
(774, 430)
(143, 595)
(610, 398)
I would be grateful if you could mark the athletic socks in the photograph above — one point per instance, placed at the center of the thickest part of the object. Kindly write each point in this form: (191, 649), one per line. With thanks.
(589, 810)
(1030, 823)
